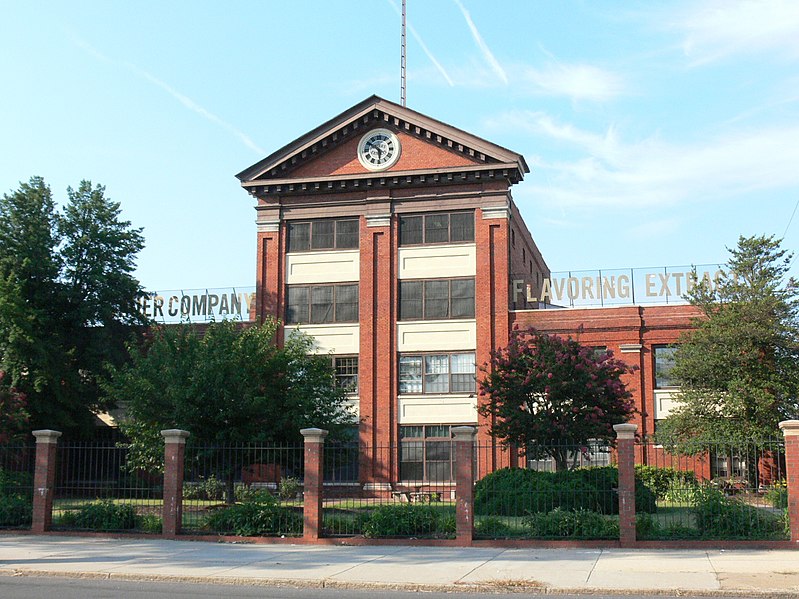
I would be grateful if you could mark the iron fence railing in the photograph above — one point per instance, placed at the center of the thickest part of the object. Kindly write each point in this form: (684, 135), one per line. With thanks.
(550, 491)
(97, 487)
(243, 489)
(17, 462)
(719, 491)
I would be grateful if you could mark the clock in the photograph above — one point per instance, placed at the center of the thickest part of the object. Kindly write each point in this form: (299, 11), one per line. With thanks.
(379, 149)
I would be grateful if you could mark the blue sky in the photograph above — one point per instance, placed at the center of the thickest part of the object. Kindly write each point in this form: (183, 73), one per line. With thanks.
(657, 132)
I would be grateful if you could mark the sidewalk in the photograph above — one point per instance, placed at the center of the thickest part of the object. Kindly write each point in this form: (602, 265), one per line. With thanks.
(417, 568)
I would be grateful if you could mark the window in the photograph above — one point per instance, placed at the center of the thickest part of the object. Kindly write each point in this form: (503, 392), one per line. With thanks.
(436, 299)
(437, 373)
(331, 234)
(319, 304)
(426, 453)
(346, 368)
(664, 362)
(437, 227)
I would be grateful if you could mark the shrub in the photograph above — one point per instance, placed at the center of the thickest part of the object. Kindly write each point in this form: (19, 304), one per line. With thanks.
(100, 515)
(206, 489)
(647, 527)
(777, 495)
(718, 516)
(407, 520)
(250, 494)
(580, 523)
(661, 481)
(255, 519)
(15, 510)
(289, 488)
(150, 523)
(493, 527)
(516, 492)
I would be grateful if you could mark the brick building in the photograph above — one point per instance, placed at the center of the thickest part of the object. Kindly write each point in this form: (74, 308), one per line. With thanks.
(394, 240)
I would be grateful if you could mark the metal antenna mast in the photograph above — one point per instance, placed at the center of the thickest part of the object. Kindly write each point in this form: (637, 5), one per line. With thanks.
(402, 58)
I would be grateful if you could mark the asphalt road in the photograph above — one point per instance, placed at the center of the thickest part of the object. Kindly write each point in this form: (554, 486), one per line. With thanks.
(30, 587)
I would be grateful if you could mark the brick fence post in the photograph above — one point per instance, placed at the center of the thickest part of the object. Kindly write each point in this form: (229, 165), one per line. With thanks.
(625, 447)
(174, 453)
(464, 484)
(790, 428)
(44, 479)
(312, 482)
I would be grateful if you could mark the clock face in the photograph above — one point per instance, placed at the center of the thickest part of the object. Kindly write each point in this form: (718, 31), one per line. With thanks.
(379, 149)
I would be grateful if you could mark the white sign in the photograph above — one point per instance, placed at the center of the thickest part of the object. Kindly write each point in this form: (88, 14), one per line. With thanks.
(198, 305)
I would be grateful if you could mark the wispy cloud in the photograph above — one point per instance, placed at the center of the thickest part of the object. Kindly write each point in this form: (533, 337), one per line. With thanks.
(442, 71)
(606, 171)
(182, 98)
(716, 29)
(576, 81)
(486, 51)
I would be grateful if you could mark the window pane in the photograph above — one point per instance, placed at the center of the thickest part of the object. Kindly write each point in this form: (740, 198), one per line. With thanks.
(299, 237)
(322, 304)
(410, 374)
(439, 431)
(461, 226)
(322, 234)
(664, 362)
(438, 450)
(436, 299)
(438, 471)
(346, 234)
(412, 451)
(297, 305)
(410, 307)
(411, 471)
(436, 374)
(411, 431)
(346, 303)
(462, 383)
(436, 228)
(346, 374)
(463, 363)
(410, 230)
(463, 298)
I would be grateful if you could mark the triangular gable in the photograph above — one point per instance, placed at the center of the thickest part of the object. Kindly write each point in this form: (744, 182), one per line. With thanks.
(428, 145)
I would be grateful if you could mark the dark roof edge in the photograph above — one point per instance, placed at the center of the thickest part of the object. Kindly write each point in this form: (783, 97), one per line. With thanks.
(375, 102)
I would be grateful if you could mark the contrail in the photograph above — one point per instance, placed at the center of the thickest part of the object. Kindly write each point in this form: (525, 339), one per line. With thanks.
(185, 100)
(487, 54)
(424, 47)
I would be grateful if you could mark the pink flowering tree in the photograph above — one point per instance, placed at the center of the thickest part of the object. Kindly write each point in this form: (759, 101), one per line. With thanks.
(551, 396)
(13, 415)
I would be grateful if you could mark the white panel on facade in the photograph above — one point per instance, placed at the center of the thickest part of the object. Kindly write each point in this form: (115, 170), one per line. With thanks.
(665, 402)
(438, 410)
(335, 338)
(323, 267)
(436, 335)
(436, 262)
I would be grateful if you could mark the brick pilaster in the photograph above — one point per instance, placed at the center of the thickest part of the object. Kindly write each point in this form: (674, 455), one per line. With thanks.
(44, 479)
(790, 428)
(464, 483)
(625, 436)
(313, 481)
(174, 451)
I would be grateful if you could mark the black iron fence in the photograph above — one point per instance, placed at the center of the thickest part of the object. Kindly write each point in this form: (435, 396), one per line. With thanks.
(16, 484)
(722, 491)
(97, 487)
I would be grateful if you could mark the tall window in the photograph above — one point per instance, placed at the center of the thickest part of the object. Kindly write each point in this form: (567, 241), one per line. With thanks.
(426, 453)
(664, 362)
(346, 368)
(330, 234)
(436, 299)
(438, 227)
(437, 373)
(319, 304)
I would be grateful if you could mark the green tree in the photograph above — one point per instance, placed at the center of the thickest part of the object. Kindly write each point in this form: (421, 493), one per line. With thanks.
(739, 368)
(66, 299)
(13, 415)
(227, 386)
(551, 396)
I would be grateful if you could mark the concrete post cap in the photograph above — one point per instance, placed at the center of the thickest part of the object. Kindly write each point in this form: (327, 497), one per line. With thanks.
(174, 435)
(790, 427)
(46, 436)
(314, 435)
(463, 433)
(625, 430)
